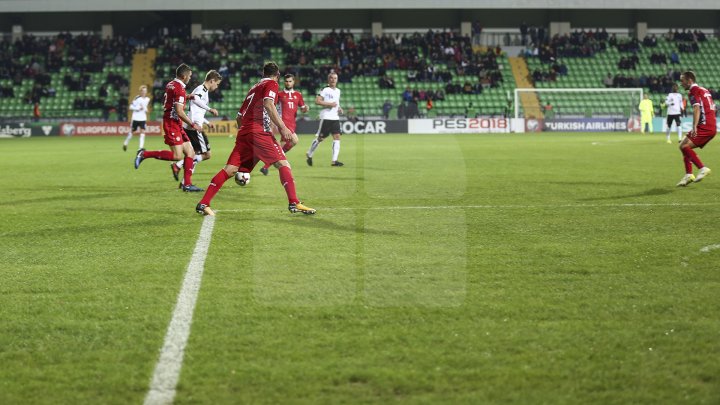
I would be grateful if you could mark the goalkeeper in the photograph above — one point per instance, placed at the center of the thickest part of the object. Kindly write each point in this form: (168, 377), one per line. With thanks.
(647, 112)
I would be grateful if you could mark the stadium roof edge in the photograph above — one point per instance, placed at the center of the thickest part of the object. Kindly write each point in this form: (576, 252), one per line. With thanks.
(187, 5)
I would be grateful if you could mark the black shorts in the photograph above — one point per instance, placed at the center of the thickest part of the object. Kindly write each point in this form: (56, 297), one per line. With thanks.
(198, 140)
(671, 118)
(138, 124)
(328, 127)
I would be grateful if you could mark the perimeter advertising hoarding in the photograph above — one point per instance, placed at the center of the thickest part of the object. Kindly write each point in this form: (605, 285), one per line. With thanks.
(26, 130)
(585, 125)
(105, 128)
(358, 127)
(460, 125)
(660, 124)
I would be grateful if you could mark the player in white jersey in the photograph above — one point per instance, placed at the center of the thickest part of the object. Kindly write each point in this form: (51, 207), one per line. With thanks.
(139, 107)
(674, 103)
(199, 101)
(329, 99)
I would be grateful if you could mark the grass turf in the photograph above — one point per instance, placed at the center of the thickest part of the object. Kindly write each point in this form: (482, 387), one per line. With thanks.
(554, 268)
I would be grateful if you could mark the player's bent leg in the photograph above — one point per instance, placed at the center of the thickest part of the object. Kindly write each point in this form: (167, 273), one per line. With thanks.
(203, 207)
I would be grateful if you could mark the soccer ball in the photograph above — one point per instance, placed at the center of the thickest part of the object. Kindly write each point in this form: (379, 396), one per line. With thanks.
(242, 179)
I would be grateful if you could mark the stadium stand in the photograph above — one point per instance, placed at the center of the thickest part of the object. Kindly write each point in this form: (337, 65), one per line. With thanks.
(420, 74)
(443, 67)
(588, 60)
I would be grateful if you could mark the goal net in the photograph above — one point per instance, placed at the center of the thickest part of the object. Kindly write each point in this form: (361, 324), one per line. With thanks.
(577, 103)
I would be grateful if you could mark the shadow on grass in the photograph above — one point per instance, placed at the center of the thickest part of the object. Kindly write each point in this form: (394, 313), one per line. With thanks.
(45, 233)
(64, 197)
(647, 193)
(320, 223)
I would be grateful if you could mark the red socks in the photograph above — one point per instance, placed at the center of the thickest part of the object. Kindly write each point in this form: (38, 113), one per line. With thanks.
(215, 184)
(287, 181)
(158, 154)
(689, 156)
(187, 175)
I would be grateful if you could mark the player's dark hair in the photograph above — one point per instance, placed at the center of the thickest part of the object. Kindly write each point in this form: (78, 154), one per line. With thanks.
(689, 74)
(270, 69)
(213, 75)
(182, 70)
(289, 76)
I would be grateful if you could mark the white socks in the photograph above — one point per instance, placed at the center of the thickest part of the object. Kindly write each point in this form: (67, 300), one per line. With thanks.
(313, 146)
(181, 163)
(335, 150)
(129, 137)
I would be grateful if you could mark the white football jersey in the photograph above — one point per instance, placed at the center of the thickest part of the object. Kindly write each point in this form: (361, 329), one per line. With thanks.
(330, 95)
(198, 105)
(673, 103)
(139, 107)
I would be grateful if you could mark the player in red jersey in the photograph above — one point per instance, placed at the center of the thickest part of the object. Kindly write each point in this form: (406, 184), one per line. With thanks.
(703, 129)
(175, 136)
(255, 142)
(289, 100)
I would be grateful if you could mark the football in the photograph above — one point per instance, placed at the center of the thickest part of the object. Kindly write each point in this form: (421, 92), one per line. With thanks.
(242, 179)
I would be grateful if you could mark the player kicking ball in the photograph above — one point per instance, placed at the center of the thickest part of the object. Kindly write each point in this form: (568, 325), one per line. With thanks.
(289, 100)
(255, 142)
(703, 128)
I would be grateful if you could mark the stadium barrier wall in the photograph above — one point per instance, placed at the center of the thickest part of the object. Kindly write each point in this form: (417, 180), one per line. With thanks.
(357, 127)
(588, 125)
(465, 125)
(105, 128)
(660, 124)
(25, 130)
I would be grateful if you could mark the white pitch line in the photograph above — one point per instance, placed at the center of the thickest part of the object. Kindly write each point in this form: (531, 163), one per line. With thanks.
(710, 248)
(167, 369)
(445, 207)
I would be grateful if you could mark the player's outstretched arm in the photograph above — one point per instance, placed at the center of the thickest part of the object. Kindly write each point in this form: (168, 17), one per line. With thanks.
(180, 108)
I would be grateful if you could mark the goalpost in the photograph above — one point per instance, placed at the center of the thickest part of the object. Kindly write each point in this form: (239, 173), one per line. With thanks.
(577, 103)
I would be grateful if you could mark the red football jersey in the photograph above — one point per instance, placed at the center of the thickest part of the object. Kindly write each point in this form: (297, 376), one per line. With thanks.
(254, 117)
(289, 102)
(174, 93)
(700, 96)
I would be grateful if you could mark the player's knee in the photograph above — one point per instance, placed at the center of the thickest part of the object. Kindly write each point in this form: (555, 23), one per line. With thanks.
(207, 155)
(281, 163)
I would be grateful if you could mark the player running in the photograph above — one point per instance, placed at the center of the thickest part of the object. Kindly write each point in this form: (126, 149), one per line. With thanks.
(139, 108)
(703, 128)
(255, 142)
(199, 105)
(288, 102)
(674, 103)
(329, 99)
(175, 136)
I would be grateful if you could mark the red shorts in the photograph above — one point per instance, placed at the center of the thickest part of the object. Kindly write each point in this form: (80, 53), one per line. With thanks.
(174, 133)
(252, 148)
(702, 137)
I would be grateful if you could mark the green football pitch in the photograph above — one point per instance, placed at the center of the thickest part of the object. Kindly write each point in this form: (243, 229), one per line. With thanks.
(553, 268)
